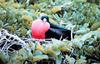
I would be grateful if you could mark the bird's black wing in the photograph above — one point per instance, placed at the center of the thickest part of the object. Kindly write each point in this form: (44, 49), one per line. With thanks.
(65, 33)
(58, 34)
(53, 33)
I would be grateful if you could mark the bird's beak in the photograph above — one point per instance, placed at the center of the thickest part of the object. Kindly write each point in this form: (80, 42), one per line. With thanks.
(45, 20)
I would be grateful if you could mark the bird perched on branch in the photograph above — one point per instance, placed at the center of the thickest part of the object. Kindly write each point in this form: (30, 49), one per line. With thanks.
(44, 29)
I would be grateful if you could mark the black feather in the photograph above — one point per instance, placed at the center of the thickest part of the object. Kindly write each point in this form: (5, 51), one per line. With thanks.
(56, 31)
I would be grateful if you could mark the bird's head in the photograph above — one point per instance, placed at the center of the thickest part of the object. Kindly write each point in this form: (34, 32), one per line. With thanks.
(45, 18)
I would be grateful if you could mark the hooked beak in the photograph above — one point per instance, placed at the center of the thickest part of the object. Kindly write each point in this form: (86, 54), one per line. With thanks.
(45, 20)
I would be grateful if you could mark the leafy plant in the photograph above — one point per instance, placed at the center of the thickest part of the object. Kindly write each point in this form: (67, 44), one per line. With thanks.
(80, 16)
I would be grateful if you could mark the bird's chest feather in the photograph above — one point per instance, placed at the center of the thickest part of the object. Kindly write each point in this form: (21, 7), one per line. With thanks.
(39, 29)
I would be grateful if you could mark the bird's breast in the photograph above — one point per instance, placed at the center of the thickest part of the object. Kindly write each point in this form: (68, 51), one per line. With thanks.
(39, 28)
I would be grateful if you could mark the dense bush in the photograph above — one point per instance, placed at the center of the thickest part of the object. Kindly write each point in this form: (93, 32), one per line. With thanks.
(81, 16)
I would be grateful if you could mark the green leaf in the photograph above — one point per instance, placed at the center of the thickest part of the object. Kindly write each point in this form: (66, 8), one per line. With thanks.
(1, 24)
(39, 57)
(59, 59)
(70, 59)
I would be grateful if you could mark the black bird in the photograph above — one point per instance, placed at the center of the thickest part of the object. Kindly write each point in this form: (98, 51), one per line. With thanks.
(56, 31)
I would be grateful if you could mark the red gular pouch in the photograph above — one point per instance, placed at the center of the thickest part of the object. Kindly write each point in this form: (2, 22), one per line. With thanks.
(39, 28)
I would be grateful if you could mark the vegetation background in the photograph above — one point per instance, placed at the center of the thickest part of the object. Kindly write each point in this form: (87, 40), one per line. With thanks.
(81, 16)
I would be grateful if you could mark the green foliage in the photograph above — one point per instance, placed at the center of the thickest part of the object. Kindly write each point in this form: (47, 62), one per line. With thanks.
(78, 15)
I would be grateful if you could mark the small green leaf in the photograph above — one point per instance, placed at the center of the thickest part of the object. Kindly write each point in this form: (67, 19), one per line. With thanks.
(39, 57)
